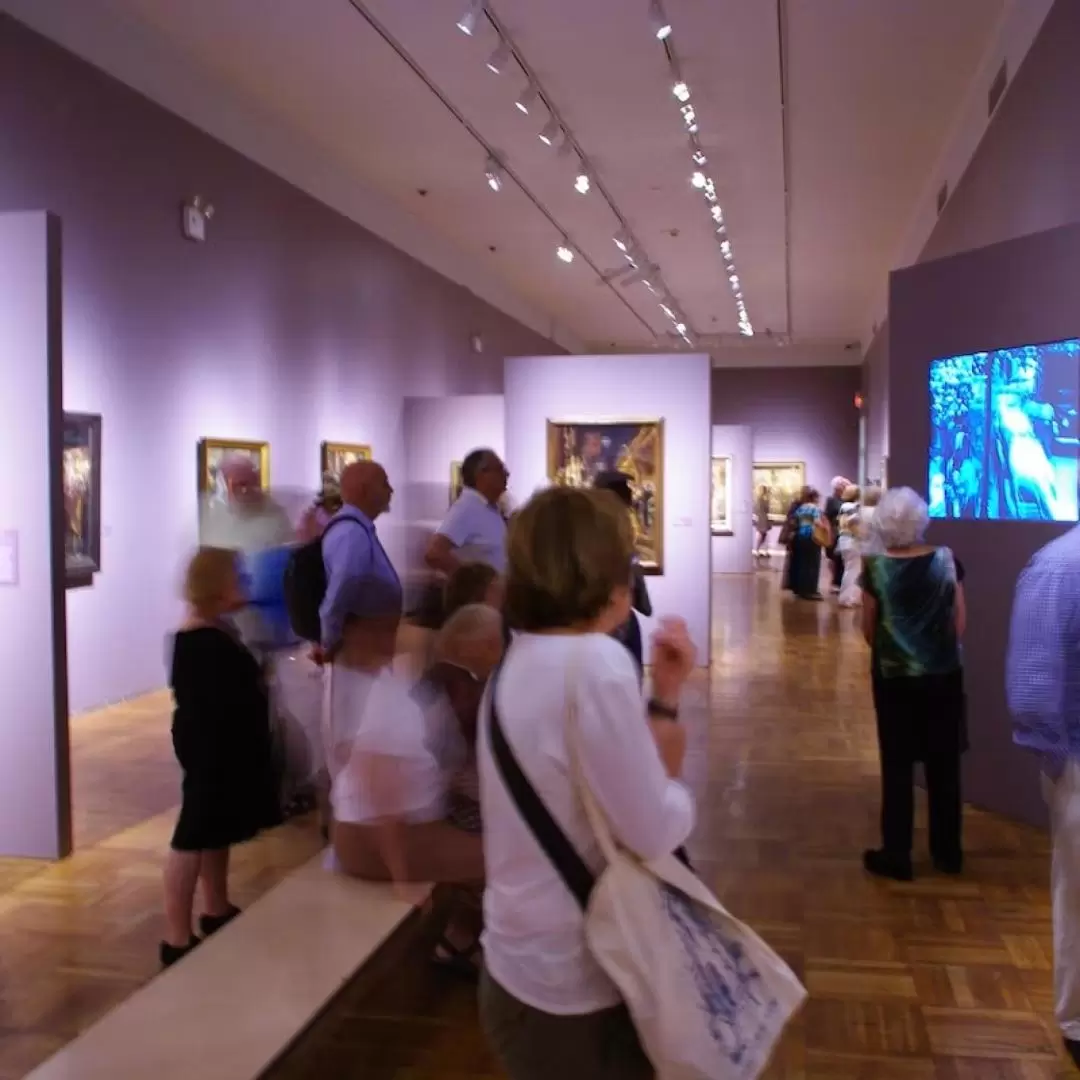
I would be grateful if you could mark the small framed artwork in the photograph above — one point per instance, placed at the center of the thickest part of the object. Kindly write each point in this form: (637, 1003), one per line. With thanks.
(82, 497)
(720, 501)
(335, 456)
(580, 450)
(455, 481)
(215, 452)
(784, 480)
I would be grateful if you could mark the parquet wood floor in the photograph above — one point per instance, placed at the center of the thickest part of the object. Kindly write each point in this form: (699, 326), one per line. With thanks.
(941, 979)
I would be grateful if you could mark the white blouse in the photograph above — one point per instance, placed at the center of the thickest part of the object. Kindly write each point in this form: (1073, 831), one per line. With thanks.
(534, 940)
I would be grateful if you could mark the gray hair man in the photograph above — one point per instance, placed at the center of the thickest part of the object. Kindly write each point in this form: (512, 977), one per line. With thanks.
(474, 529)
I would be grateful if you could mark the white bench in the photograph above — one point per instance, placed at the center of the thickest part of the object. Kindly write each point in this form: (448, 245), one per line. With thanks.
(229, 1009)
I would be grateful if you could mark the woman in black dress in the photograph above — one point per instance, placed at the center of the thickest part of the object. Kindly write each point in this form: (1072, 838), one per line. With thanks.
(221, 737)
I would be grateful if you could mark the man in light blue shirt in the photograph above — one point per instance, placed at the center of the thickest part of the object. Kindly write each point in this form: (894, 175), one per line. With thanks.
(474, 529)
(1042, 678)
(351, 548)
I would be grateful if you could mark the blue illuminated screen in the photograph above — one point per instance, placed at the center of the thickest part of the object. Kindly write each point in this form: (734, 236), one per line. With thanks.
(1003, 434)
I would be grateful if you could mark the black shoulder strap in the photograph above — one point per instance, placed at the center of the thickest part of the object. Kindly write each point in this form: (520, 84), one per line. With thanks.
(564, 857)
(337, 521)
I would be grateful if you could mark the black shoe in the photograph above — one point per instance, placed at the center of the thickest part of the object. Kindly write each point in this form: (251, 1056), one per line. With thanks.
(169, 954)
(882, 863)
(1072, 1048)
(211, 924)
(953, 865)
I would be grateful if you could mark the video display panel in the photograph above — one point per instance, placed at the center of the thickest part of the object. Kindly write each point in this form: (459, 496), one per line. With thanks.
(1004, 434)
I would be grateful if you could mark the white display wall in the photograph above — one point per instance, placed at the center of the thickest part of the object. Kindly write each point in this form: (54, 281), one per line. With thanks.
(674, 388)
(733, 554)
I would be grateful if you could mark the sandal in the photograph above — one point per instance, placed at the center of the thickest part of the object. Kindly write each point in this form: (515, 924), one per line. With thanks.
(460, 962)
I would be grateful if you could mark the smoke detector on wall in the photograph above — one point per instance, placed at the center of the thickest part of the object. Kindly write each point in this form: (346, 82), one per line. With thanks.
(195, 218)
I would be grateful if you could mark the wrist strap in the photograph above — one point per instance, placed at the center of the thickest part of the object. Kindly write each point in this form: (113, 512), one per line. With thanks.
(655, 707)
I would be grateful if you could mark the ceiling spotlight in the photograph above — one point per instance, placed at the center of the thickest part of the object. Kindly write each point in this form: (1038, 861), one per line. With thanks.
(680, 327)
(582, 183)
(717, 214)
(700, 158)
(494, 174)
(660, 26)
(681, 91)
(467, 22)
(725, 247)
(623, 241)
(526, 99)
(564, 252)
(498, 59)
(698, 179)
(550, 132)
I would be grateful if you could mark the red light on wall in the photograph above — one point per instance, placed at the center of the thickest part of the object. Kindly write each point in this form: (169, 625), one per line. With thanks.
(858, 401)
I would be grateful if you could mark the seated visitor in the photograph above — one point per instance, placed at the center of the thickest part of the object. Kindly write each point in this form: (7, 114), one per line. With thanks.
(913, 618)
(221, 737)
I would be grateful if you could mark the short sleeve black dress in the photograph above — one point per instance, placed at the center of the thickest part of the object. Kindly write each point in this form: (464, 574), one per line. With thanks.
(221, 736)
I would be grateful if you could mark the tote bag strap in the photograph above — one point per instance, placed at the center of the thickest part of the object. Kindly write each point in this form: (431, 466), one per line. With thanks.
(553, 841)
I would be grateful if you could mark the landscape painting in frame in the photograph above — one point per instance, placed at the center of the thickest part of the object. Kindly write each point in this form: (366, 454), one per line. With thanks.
(336, 456)
(455, 481)
(720, 500)
(784, 479)
(580, 450)
(82, 497)
(213, 453)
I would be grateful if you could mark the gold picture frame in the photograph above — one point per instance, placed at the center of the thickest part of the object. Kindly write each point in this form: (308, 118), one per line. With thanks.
(211, 452)
(784, 479)
(720, 496)
(455, 481)
(579, 450)
(335, 456)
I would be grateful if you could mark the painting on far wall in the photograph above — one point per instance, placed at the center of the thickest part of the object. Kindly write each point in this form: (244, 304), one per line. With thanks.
(720, 503)
(784, 479)
(213, 452)
(82, 497)
(335, 456)
(455, 481)
(579, 450)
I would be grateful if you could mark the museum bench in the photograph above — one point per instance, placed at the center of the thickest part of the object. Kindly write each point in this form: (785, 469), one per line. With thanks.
(230, 1008)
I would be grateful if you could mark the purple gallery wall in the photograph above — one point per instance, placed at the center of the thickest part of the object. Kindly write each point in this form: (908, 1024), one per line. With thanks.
(1025, 177)
(797, 414)
(291, 324)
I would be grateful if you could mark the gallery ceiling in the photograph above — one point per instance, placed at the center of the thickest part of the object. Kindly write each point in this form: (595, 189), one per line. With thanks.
(820, 122)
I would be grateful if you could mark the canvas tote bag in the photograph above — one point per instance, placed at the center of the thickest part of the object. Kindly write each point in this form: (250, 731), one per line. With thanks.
(708, 997)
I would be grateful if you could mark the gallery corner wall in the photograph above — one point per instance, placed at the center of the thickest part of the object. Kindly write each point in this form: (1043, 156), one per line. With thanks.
(1014, 293)
(35, 812)
(290, 324)
(674, 388)
(732, 551)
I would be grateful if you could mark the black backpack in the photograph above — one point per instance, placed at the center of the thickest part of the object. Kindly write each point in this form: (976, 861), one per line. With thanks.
(305, 586)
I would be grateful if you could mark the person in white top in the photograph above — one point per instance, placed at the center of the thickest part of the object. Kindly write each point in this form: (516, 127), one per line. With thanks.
(474, 529)
(847, 546)
(548, 1009)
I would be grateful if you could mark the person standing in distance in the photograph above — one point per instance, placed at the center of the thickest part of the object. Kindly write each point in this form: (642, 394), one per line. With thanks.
(474, 529)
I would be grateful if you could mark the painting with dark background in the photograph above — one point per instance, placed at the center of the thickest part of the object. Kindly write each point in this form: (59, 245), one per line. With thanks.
(82, 496)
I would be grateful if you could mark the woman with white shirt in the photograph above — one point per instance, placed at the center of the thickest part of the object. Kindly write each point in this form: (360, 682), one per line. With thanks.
(547, 1007)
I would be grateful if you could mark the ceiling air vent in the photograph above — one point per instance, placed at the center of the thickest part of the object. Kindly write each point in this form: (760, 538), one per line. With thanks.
(942, 196)
(997, 88)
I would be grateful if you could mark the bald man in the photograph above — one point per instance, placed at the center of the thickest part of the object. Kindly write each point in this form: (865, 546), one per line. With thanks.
(351, 547)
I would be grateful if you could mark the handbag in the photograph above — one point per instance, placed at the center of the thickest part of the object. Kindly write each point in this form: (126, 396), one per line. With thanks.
(821, 533)
(708, 997)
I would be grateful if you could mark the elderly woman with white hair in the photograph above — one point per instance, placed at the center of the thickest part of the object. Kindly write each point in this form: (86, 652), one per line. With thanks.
(913, 619)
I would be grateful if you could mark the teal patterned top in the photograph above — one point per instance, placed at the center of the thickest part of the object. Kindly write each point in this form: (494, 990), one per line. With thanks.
(916, 619)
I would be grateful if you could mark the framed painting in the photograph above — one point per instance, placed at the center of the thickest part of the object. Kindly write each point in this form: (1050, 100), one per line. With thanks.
(334, 456)
(784, 479)
(720, 499)
(455, 481)
(213, 452)
(82, 497)
(579, 450)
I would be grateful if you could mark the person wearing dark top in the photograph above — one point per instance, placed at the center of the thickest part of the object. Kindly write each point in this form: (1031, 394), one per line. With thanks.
(913, 618)
(832, 514)
(629, 633)
(221, 738)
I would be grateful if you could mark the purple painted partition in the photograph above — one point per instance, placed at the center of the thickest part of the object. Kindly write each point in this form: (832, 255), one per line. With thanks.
(1014, 293)
(35, 810)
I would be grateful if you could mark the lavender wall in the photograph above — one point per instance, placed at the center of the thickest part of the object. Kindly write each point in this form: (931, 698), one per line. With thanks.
(875, 380)
(290, 324)
(734, 554)
(1012, 293)
(797, 414)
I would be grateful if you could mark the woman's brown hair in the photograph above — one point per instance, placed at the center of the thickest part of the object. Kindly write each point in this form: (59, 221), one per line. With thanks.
(468, 584)
(569, 549)
(209, 575)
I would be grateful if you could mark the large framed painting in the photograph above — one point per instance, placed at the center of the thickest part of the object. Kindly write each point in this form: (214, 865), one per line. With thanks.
(720, 501)
(455, 481)
(579, 450)
(213, 452)
(784, 479)
(82, 497)
(335, 456)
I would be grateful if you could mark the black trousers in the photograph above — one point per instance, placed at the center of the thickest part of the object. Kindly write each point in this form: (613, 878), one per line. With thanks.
(898, 804)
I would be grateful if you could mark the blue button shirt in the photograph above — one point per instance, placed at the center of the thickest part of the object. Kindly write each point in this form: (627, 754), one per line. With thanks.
(350, 552)
(1042, 668)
